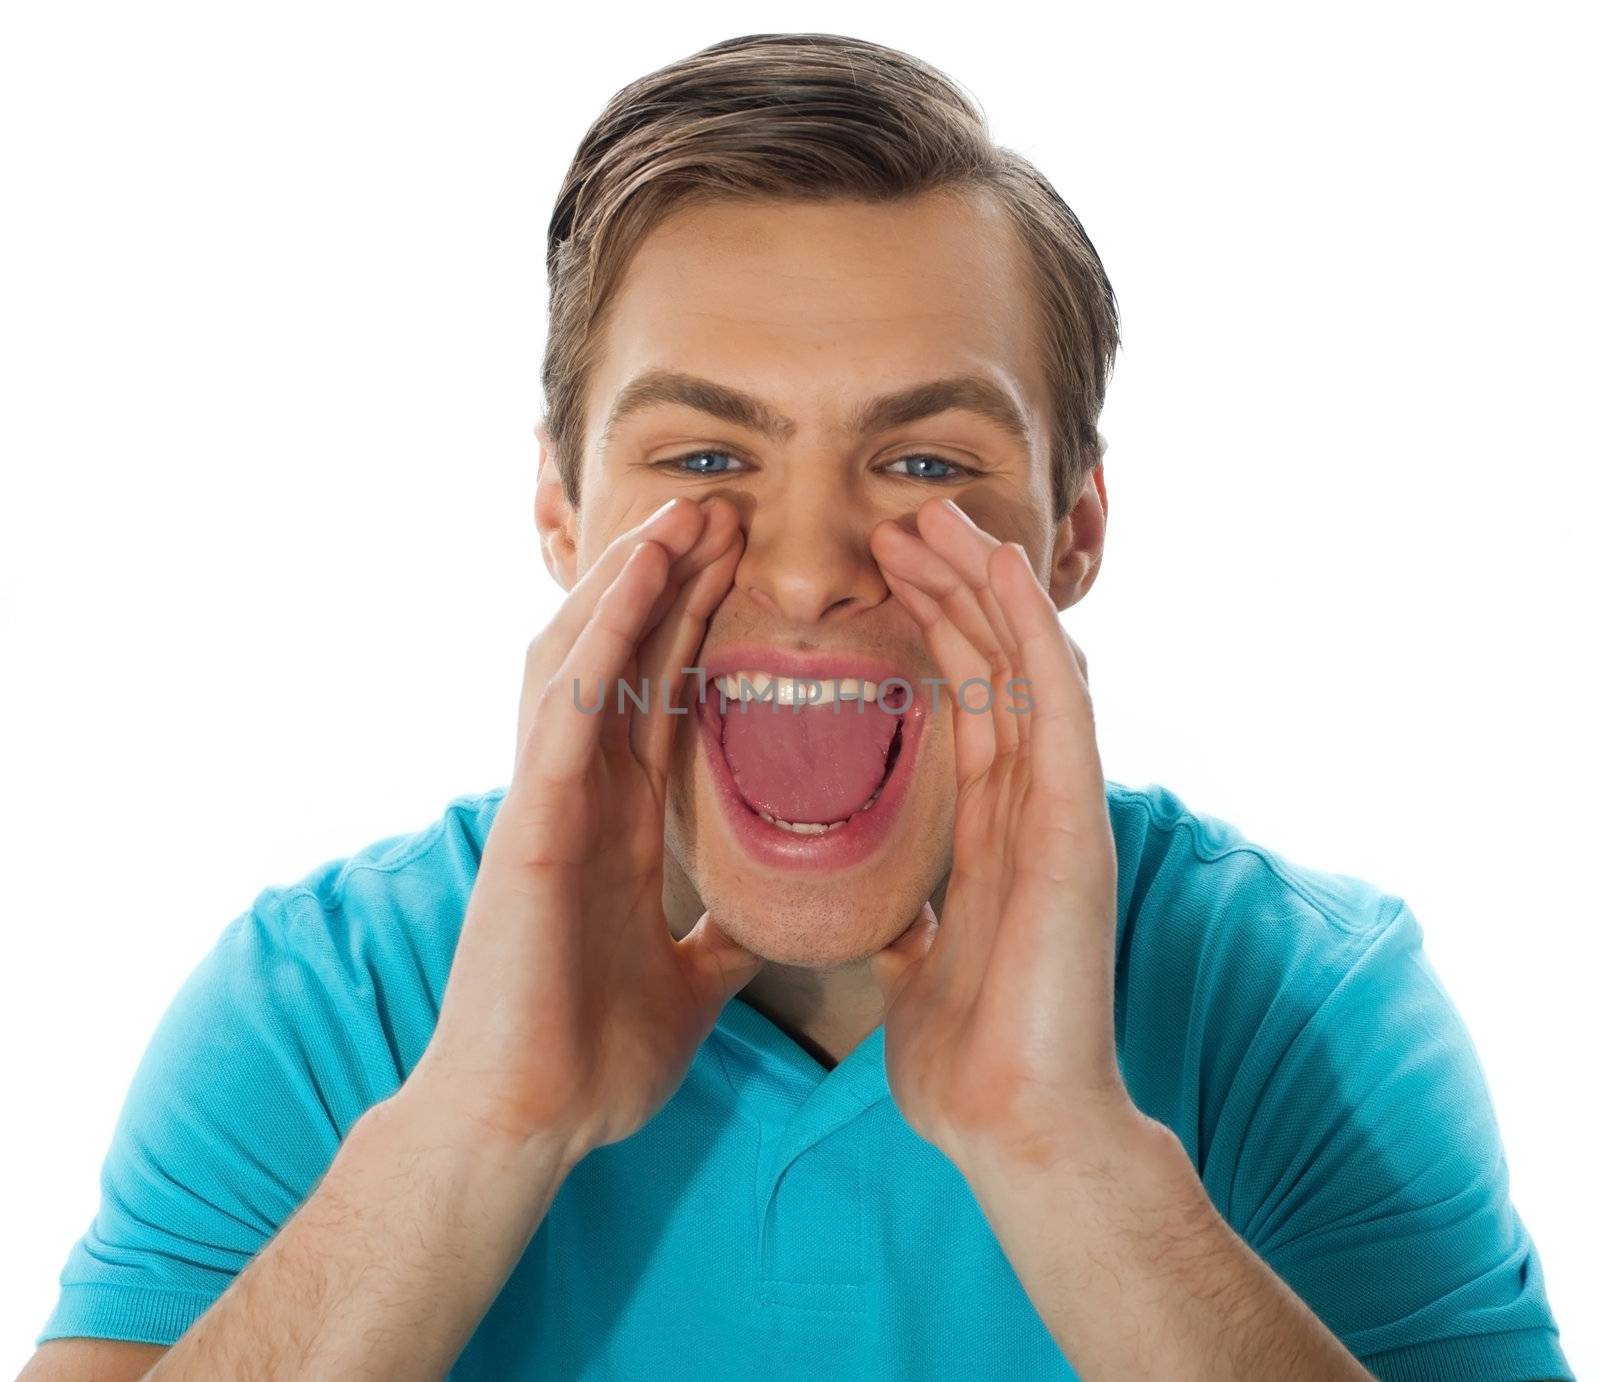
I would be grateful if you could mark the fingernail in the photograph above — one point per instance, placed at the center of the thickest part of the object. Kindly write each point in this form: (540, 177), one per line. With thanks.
(957, 510)
(657, 514)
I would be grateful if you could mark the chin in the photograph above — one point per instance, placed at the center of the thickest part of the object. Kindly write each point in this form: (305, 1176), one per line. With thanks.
(810, 924)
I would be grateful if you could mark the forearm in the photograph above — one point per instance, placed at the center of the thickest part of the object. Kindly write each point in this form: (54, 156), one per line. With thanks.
(1136, 1274)
(389, 1265)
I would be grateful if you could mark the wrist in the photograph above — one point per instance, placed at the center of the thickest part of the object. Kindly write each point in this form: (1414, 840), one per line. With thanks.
(1100, 1137)
(433, 1111)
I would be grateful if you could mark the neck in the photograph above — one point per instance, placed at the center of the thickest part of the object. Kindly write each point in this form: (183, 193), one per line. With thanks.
(826, 1012)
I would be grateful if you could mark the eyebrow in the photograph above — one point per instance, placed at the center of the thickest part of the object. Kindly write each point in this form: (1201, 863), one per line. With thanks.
(971, 393)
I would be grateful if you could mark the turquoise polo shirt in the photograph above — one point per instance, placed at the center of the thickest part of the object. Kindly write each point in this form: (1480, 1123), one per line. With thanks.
(779, 1220)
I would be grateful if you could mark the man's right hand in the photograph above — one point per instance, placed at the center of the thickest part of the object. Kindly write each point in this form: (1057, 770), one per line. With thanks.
(572, 1014)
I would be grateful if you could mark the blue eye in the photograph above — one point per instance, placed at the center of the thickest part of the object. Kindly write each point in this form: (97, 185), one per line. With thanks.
(680, 463)
(952, 470)
(687, 464)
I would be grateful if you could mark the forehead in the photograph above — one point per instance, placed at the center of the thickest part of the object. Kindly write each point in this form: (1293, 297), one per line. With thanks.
(817, 305)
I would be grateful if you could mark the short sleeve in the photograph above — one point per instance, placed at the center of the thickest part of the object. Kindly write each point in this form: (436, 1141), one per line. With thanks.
(256, 1071)
(1371, 1178)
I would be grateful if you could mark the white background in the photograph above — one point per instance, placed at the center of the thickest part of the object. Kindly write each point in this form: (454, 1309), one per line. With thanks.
(273, 305)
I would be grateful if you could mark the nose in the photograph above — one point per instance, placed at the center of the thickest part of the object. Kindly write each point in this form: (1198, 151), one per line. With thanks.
(807, 561)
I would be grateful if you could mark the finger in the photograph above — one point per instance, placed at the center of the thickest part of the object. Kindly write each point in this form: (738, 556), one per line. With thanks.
(668, 653)
(956, 575)
(718, 965)
(955, 536)
(960, 637)
(1083, 661)
(958, 663)
(891, 965)
(661, 655)
(572, 708)
(951, 532)
(1064, 855)
(719, 525)
(1063, 756)
(675, 526)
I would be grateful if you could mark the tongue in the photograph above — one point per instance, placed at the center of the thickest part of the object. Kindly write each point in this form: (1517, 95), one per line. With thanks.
(807, 764)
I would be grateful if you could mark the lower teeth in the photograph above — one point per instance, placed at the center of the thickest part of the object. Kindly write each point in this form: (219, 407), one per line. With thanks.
(800, 827)
(811, 828)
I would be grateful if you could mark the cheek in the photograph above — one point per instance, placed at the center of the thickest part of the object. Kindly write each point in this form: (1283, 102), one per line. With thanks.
(1008, 520)
(936, 768)
(685, 770)
(604, 515)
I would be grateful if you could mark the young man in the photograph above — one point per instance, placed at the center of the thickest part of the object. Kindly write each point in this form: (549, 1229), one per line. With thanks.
(877, 1037)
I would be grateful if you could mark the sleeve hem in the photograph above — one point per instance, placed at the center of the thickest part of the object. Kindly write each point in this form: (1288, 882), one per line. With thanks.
(1518, 1355)
(132, 1315)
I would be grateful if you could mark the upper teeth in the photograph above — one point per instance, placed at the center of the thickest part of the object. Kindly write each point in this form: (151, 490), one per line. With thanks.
(744, 686)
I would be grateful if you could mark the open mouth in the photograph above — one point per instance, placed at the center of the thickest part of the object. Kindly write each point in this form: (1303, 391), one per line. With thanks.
(808, 780)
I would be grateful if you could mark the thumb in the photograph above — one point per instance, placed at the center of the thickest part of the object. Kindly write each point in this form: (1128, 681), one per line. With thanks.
(891, 964)
(721, 965)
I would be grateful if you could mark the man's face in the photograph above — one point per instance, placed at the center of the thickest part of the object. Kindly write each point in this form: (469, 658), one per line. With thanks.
(817, 309)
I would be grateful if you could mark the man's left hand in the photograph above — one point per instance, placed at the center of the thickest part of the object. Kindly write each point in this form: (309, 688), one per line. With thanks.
(998, 1031)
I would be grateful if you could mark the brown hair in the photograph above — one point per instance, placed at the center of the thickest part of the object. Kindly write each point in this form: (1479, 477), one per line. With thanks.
(810, 116)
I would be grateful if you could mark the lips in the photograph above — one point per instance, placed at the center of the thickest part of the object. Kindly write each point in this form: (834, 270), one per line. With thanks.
(866, 829)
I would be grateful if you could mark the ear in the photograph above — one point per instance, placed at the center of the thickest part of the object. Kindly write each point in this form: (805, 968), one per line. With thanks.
(555, 518)
(1080, 541)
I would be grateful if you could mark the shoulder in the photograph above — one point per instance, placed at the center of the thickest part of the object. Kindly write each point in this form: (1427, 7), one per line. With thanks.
(354, 954)
(410, 886)
(311, 1005)
(1228, 949)
(1192, 885)
(434, 859)
(1184, 874)
(1286, 1023)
